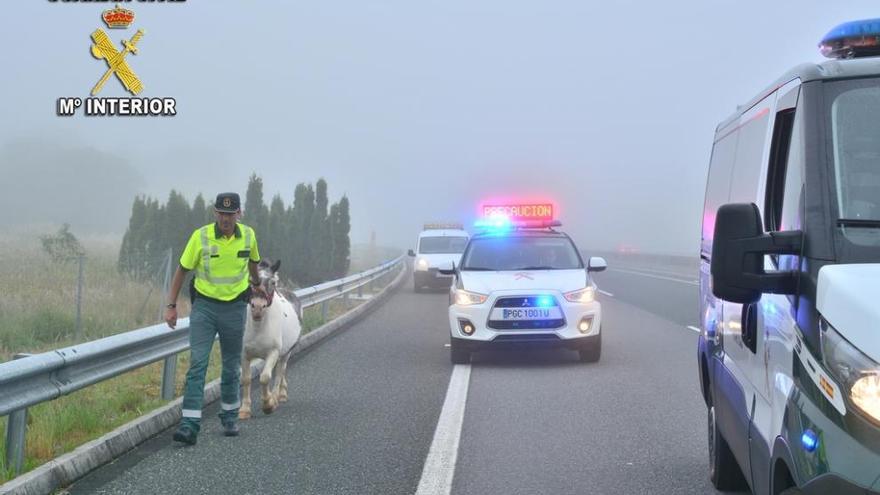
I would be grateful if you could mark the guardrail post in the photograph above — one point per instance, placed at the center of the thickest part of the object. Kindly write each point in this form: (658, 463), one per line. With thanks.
(16, 428)
(169, 369)
(345, 301)
(361, 291)
(324, 312)
(169, 377)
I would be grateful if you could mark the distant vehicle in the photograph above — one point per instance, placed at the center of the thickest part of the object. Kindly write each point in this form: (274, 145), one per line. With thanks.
(521, 282)
(789, 353)
(439, 246)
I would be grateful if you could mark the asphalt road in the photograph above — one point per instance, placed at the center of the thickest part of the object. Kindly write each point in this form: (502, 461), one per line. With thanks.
(365, 405)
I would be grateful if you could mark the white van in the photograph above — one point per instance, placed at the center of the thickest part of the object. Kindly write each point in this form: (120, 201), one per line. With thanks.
(438, 247)
(789, 353)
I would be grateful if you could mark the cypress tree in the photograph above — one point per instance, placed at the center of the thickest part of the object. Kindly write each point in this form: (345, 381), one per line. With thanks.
(303, 210)
(197, 214)
(177, 225)
(341, 242)
(319, 237)
(254, 209)
(131, 242)
(273, 242)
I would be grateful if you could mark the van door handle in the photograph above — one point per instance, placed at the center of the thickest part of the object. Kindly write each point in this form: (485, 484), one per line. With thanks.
(750, 326)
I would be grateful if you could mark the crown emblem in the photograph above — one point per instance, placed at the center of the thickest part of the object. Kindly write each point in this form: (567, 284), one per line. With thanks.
(227, 202)
(118, 18)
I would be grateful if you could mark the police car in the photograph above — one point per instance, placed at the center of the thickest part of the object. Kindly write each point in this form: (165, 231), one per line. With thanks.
(789, 353)
(439, 246)
(521, 282)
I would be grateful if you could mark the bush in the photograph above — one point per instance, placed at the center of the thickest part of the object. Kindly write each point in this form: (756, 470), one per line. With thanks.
(63, 247)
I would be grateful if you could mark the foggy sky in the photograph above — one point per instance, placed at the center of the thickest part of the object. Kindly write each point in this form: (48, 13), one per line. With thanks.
(420, 111)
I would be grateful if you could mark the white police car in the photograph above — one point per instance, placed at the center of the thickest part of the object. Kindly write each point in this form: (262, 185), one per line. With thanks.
(523, 283)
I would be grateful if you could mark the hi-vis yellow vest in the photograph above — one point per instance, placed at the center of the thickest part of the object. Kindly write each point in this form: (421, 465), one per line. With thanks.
(221, 263)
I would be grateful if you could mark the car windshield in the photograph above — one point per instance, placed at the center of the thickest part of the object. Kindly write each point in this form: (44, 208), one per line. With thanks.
(516, 253)
(855, 125)
(442, 245)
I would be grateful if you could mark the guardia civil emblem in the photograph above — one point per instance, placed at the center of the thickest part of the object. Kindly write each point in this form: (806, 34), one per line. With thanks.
(104, 49)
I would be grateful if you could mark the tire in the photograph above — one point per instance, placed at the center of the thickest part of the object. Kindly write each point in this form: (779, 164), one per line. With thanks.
(416, 287)
(458, 355)
(792, 491)
(591, 353)
(724, 471)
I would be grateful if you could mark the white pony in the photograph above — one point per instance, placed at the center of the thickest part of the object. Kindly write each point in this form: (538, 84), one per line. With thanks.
(272, 330)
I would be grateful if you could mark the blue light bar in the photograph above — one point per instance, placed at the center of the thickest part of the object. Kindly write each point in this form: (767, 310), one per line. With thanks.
(809, 440)
(852, 39)
(545, 302)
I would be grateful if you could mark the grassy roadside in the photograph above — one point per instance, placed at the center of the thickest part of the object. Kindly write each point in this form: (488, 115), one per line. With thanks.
(111, 304)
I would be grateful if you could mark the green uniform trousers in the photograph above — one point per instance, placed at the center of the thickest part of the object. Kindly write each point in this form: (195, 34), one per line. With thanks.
(207, 320)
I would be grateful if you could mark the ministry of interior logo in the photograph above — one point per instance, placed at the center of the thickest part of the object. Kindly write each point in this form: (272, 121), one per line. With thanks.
(116, 63)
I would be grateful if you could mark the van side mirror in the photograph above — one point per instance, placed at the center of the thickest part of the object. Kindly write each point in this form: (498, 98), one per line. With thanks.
(448, 271)
(596, 264)
(411, 253)
(738, 251)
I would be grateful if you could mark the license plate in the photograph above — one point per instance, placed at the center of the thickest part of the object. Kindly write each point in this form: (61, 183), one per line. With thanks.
(527, 314)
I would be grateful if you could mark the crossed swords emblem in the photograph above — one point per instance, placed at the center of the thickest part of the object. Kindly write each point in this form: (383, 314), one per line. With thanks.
(104, 49)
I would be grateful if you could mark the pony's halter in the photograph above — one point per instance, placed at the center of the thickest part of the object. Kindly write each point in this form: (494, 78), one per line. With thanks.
(270, 295)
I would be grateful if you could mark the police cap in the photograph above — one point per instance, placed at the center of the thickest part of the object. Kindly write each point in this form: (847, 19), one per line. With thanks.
(228, 202)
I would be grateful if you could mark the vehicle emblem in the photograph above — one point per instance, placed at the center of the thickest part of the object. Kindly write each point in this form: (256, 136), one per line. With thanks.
(526, 302)
(520, 276)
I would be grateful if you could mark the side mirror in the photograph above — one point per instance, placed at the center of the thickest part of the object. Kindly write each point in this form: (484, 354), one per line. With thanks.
(738, 251)
(596, 264)
(411, 253)
(445, 270)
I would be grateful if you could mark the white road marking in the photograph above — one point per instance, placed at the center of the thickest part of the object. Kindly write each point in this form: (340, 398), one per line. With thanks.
(661, 277)
(694, 328)
(606, 293)
(446, 345)
(440, 464)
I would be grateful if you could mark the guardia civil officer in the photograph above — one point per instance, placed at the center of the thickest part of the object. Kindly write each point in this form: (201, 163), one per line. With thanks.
(222, 254)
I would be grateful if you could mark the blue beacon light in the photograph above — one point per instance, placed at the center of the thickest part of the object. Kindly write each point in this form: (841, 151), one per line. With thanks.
(809, 440)
(545, 302)
(852, 39)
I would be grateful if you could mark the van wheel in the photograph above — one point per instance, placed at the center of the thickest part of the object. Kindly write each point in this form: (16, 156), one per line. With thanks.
(792, 491)
(724, 471)
(592, 352)
(458, 355)
(416, 287)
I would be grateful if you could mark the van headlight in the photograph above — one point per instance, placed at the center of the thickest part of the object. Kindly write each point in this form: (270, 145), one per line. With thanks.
(422, 264)
(859, 374)
(583, 296)
(466, 298)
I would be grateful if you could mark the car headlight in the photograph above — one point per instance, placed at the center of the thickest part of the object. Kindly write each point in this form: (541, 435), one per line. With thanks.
(859, 374)
(422, 264)
(466, 298)
(582, 296)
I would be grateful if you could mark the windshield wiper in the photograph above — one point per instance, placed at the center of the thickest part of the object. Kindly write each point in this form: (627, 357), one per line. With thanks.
(858, 222)
(477, 269)
(536, 268)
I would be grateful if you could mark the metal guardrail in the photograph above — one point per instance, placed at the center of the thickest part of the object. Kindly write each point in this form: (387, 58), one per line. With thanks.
(30, 380)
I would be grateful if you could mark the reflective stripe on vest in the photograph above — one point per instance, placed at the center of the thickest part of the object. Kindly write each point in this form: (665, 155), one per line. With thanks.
(204, 271)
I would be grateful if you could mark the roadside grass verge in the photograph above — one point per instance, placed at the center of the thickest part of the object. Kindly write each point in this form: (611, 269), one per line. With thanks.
(37, 314)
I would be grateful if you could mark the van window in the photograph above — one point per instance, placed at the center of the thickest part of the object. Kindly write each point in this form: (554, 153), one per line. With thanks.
(718, 185)
(749, 152)
(855, 127)
(793, 194)
(777, 169)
